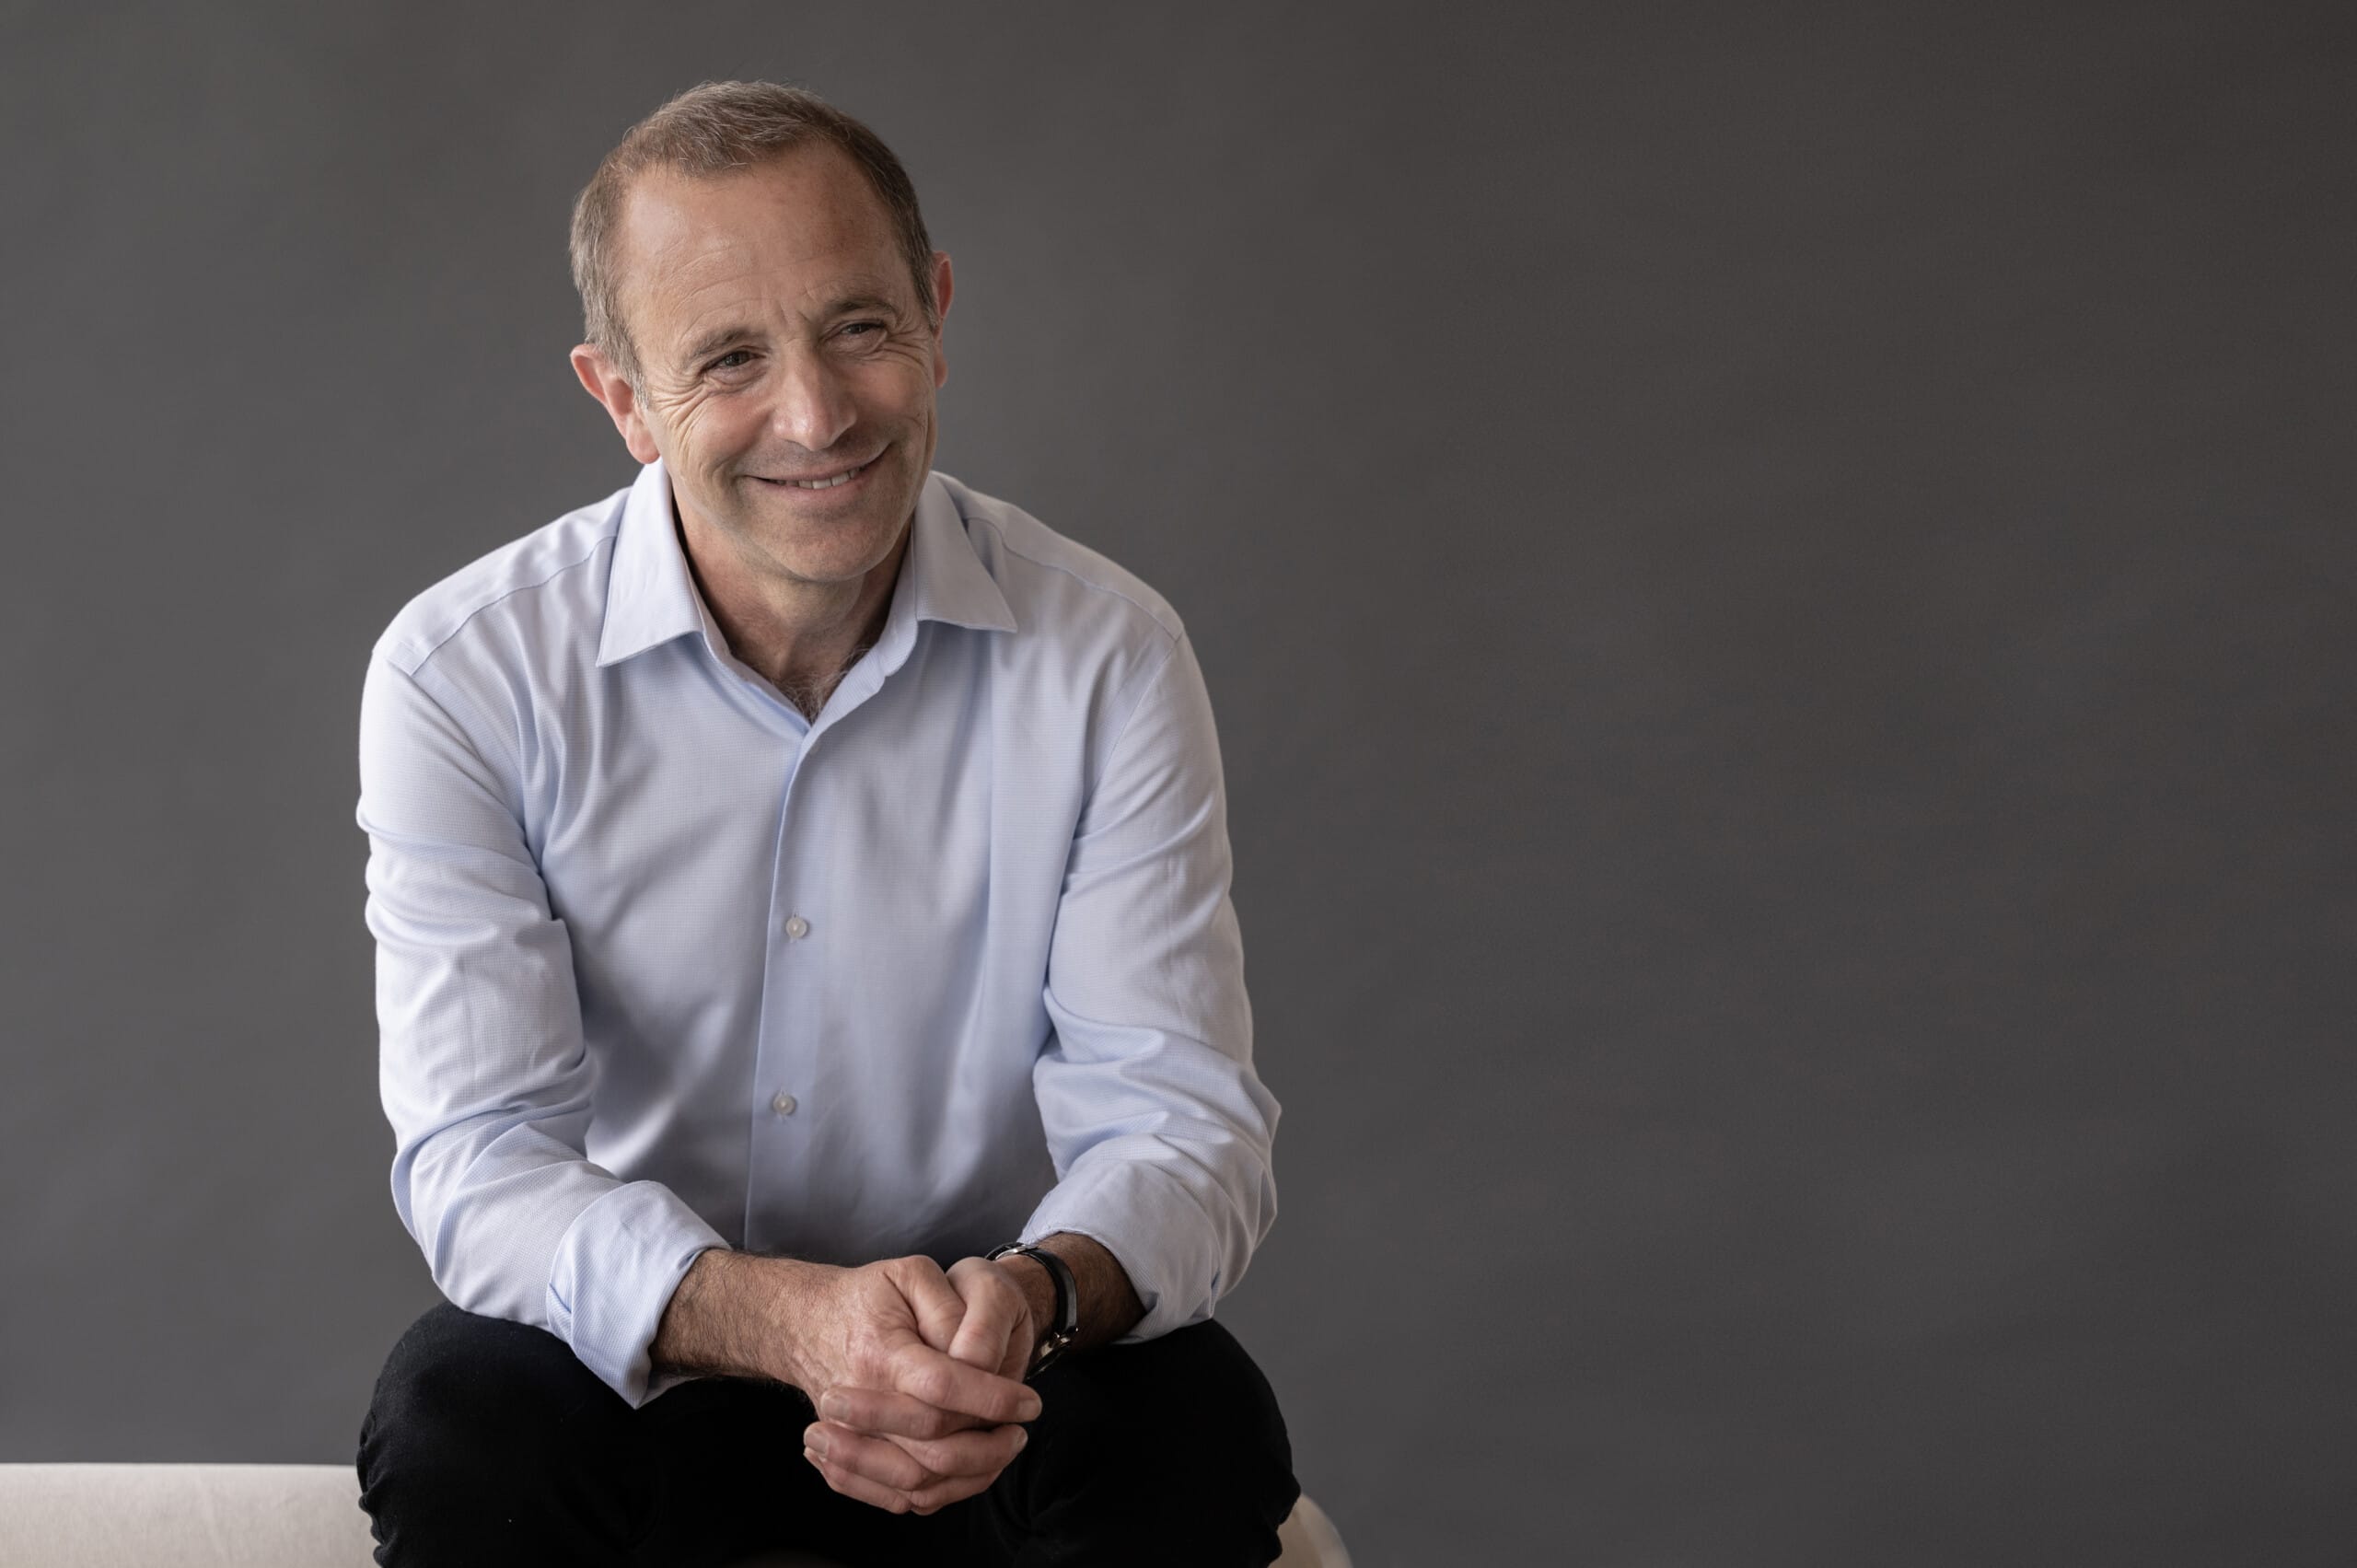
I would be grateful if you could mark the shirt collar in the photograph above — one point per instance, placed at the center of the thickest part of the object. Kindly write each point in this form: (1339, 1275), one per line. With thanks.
(945, 579)
(651, 597)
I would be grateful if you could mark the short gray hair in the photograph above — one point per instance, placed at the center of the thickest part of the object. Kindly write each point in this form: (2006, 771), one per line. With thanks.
(711, 129)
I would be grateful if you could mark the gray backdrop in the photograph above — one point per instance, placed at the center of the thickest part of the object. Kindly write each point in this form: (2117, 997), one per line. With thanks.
(1776, 585)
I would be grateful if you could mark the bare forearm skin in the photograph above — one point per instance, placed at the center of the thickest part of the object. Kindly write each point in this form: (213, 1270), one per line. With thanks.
(738, 1315)
(734, 1313)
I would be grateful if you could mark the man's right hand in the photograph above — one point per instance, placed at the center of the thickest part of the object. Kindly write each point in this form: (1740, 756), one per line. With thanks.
(903, 1424)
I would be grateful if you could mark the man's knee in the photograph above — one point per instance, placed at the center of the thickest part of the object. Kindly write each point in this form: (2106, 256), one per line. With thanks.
(1181, 1434)
(468, 1382)
(474, 1420)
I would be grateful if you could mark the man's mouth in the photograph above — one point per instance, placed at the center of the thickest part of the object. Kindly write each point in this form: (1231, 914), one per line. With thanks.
(820, 482)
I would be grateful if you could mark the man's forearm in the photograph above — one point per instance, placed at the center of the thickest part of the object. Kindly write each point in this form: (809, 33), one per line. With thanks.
(736, 1314)
(731, 1315)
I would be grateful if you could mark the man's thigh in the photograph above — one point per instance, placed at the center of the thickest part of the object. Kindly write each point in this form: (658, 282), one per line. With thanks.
(1143, 1456)
(488, 1441)
(1169, 1451)
(1172, 1451)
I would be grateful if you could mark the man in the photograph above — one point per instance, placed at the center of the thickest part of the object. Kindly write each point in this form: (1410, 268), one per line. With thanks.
(792, 877)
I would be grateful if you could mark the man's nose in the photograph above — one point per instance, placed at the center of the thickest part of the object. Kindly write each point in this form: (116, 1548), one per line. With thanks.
(814, 405)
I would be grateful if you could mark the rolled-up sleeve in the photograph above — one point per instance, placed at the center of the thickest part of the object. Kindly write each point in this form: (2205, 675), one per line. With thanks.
(1159, 1129)
(482, 1065)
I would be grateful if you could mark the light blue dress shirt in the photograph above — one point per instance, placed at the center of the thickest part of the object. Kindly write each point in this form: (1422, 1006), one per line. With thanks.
(664, 966)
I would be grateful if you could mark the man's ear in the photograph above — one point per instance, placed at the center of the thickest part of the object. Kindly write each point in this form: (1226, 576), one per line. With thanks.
(942, 289)
(605, 382)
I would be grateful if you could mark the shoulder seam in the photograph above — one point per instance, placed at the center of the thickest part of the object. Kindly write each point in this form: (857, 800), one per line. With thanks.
(482, 737)
(1013, 549)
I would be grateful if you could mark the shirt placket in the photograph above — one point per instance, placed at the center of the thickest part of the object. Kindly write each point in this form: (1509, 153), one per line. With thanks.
(784, 1104)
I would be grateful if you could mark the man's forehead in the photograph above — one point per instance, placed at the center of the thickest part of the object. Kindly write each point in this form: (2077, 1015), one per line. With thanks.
(805, 220)
(806, 199)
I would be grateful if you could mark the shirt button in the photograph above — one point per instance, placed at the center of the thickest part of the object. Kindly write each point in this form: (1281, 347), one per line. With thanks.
(782, 1104)
(797, 928)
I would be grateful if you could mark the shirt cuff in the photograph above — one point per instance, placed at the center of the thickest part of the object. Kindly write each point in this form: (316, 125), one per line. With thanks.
(615, 1272)
(1155, 1229)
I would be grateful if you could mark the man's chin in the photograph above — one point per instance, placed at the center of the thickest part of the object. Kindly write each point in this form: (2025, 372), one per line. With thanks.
(814, 551)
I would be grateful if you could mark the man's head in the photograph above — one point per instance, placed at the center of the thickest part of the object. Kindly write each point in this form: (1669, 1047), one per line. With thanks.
(713, 129)
(763, 311)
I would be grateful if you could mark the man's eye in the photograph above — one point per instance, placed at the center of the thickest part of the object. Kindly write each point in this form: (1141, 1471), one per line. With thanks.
(863, 331)
(732, 359)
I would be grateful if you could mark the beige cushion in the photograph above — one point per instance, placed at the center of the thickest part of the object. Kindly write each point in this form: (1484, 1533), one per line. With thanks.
(182, 1517)
(281, 1516)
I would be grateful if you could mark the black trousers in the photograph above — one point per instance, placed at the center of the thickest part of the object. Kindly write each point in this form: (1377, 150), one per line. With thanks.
(489, 1442)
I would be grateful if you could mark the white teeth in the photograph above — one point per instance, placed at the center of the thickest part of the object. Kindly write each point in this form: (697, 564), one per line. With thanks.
(843, 478)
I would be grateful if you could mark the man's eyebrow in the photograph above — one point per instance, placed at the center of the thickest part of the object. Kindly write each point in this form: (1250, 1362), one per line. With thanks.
(714, 341)
(850, 303)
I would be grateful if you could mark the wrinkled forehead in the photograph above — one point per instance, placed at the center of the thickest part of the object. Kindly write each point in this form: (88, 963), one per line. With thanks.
(797, 230)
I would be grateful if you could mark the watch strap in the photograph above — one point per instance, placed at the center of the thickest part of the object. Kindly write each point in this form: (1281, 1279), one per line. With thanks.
(1065, 1325)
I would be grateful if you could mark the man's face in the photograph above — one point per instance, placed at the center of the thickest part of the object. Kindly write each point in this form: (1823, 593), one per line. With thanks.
(780, 341)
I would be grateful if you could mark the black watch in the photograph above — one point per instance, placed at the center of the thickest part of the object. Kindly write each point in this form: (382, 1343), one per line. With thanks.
(1066, 1326)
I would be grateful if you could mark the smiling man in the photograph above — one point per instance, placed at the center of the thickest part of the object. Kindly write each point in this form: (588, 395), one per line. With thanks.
(813, 1021)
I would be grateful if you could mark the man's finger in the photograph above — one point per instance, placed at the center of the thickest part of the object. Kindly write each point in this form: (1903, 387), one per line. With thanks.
(995, 1311)
(1018, 1359)
(924, 1500)
(859, 1486)
(923, 1373)
(879, 1460)
(886, 1498)
(883, 1413)
(908, 1464)
(983, 1452)
(935, 1301)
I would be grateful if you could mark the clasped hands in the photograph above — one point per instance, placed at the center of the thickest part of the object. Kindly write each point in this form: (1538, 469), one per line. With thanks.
(916, 1376)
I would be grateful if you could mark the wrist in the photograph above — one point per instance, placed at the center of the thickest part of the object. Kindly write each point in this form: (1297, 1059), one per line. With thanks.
(1039, 1288)
(790, 1304)
(1055, 1313)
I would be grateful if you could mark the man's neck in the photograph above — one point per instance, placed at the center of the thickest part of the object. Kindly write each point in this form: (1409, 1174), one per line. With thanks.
(801, 637)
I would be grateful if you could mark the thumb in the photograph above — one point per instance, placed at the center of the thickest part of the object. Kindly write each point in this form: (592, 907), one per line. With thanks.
(934, 1300)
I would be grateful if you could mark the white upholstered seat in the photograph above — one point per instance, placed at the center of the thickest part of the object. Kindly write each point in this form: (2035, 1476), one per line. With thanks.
(281, 1516)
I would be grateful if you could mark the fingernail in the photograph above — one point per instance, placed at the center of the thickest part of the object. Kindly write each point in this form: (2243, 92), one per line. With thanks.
(816, 1442)
(1021, 1438)
(812, 1456)
(834, 1406)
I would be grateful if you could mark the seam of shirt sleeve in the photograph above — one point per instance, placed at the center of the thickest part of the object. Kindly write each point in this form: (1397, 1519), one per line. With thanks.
(421, 656)
(1145, 688)
(507, 769)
